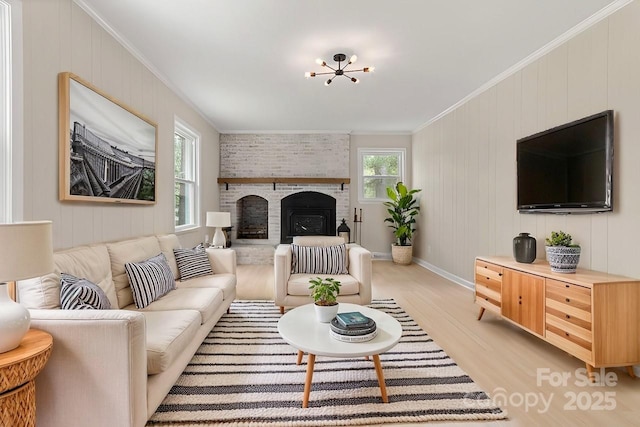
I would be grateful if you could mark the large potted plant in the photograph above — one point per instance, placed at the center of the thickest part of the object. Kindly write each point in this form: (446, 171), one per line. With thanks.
(402, 208)
(562, 254)
(325, 293)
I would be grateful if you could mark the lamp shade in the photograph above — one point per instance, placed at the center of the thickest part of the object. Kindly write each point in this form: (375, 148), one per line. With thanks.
(218, 219)
(26, 250)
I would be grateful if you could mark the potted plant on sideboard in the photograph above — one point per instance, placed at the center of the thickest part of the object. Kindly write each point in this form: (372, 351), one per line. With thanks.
(563, 255)
(325, 293)
(402, 208)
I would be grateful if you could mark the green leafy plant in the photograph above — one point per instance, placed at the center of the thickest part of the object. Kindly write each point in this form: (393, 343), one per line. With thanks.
(402, 208)
(560, 238)
(324, 291)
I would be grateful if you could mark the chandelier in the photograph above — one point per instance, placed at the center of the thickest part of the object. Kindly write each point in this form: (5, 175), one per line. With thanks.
(341, 70)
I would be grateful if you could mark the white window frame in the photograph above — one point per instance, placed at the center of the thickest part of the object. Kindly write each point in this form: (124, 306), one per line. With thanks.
(183, 129)
(402, 152)
(6, 116)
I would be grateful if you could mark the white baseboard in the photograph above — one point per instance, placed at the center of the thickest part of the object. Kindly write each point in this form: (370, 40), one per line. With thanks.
(440, 272)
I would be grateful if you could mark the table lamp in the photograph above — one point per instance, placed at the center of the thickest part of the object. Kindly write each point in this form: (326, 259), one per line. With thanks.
(218, 220)
(26, 251)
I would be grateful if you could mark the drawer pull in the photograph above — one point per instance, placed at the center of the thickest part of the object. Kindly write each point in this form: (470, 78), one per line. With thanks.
(567, 286)
(568, 300)
(568, 317)
(488, 278)
(486, 299)
(566, 333)
(519, 302)
(500, 274)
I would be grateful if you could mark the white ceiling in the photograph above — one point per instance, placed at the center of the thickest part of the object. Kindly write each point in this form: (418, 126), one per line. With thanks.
(241, 63)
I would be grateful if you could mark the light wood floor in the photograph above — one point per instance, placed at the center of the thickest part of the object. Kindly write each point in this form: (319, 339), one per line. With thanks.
(501, 358)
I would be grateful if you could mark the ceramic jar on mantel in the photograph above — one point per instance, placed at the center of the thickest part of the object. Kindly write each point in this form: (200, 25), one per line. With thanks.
(524, 248)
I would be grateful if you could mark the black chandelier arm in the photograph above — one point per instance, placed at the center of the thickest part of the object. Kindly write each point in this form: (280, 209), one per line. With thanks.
(320, 74)
(354, 71)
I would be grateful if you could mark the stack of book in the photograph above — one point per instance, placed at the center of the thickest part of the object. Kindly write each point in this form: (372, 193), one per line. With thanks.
(353, 327)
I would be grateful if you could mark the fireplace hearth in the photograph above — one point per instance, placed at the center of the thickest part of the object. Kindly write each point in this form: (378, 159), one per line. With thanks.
(307, 213)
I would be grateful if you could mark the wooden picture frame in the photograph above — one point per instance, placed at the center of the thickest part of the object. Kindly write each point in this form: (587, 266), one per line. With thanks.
(107, 150)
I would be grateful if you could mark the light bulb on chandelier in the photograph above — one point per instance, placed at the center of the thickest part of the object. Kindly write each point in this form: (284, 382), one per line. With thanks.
(340, 70)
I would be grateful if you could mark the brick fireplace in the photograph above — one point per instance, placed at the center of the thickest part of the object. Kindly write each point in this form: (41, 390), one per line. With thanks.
(256, 208)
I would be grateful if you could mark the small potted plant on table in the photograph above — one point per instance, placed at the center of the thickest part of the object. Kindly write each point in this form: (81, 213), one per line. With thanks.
(562, 254)
(324, 292)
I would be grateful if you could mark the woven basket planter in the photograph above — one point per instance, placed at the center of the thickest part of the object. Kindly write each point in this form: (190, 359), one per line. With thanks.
(402, 254)
(563, 259)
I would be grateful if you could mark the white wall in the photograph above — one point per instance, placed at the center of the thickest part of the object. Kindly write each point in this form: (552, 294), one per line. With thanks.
(60, 36)
(376, 235)
(465, 162)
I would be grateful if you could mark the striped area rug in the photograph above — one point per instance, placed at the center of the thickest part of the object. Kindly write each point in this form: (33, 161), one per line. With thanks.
(244, 374)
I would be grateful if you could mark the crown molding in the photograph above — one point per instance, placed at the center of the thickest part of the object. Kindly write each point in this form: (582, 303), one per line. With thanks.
(568, 35)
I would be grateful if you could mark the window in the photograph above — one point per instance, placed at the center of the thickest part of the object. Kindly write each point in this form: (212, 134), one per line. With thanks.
(185, 149)
(378, 169)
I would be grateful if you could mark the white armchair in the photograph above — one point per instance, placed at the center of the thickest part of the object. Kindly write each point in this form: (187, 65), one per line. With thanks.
(292, 289)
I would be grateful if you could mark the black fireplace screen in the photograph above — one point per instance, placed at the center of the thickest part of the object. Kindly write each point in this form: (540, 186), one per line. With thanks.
(307, 213)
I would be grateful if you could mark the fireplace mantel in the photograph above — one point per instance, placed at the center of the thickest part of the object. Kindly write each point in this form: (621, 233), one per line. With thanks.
(283, 180)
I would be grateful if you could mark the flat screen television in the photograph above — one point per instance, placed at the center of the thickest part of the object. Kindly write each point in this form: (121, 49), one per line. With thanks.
(567, 169)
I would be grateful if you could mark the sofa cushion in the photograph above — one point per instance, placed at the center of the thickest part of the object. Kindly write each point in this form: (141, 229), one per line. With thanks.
(225, 282)
(168, 243)
(89, 262)
(192, 262)
(168, 333)
(149, 279)
(120, 253)
(299, 284)
(204, 300)
(81, 294)
(319, 259)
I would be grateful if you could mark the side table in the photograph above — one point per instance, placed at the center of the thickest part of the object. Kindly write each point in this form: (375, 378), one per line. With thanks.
(18, 369)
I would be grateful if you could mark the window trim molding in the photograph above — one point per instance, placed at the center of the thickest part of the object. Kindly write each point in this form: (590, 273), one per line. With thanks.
(362, 151)
(182, 127)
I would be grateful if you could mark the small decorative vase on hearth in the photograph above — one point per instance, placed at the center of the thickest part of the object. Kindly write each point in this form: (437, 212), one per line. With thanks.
(524, 248)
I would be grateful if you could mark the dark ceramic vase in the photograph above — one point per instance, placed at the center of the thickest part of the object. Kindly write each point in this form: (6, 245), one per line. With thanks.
(524, 248)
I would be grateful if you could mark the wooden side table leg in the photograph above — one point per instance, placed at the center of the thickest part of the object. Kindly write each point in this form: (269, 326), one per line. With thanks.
(590, 373)
(383, 387)
(300, 354)
(630, 371)
(281, 309)
(481, 313)
(311, 360)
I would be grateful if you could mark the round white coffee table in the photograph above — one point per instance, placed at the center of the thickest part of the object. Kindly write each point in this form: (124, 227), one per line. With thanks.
(300, 329)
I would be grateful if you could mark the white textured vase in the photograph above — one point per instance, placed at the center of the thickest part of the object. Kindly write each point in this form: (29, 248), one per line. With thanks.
(14, 321)
(324, 313)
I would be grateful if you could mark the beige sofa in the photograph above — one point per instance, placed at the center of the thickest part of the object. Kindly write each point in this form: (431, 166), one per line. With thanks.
(114, 367)
(292, 289)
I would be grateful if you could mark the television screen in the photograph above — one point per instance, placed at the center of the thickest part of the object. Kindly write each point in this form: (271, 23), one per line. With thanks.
(567, 169)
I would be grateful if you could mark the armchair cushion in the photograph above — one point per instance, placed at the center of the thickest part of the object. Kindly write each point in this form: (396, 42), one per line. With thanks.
(299, 284)
(319, 259)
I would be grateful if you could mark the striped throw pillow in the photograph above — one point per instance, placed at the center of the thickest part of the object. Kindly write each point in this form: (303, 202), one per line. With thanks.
(192, 262)
(149, 279)
(81, 294)
(319, 259)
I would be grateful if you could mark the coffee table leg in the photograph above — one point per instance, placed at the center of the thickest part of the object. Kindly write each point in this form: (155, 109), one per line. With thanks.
(311, 360)
(299, 361)
(383, 387)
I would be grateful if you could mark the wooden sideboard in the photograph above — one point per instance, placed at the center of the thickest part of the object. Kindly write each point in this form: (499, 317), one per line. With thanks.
(591, 315)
